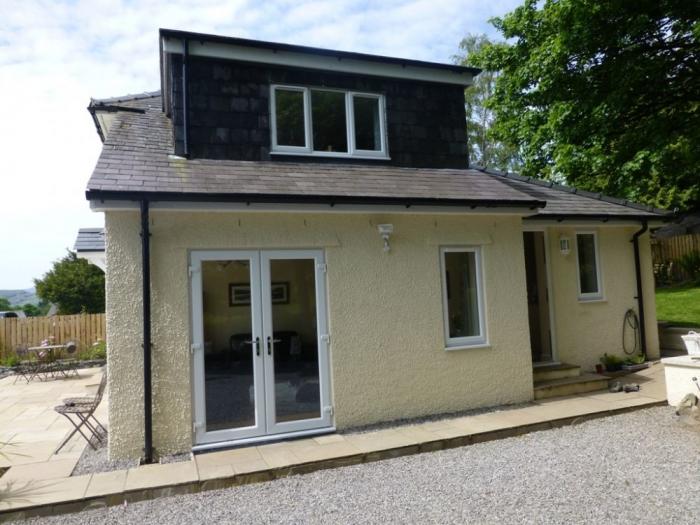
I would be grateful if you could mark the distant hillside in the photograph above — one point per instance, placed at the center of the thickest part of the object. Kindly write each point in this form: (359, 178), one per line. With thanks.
(20, 297)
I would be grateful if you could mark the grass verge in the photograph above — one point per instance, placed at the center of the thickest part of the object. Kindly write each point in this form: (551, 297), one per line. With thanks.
(679, 305)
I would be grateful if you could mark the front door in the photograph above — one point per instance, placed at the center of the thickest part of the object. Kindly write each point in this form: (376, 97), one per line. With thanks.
(538, 297)
(260, 343)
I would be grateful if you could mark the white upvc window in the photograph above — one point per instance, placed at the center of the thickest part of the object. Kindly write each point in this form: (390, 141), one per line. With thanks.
(327, 122)
(463, 297)
(590, 286)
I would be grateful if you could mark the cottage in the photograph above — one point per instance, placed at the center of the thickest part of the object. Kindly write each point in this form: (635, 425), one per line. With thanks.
(295, 243)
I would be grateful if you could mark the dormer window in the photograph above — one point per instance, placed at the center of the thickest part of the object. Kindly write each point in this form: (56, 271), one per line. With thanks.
(327, 122)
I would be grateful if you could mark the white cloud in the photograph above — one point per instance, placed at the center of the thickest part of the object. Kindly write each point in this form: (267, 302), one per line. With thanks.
(55, 55)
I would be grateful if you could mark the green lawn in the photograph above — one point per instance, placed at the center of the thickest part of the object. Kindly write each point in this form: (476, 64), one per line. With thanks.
(679, 305)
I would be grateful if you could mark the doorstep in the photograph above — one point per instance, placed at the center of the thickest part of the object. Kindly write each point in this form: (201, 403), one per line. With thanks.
(222, 469)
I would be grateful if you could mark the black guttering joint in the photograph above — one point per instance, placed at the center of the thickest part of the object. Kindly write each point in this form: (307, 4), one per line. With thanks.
(276, 46)
(331, 200)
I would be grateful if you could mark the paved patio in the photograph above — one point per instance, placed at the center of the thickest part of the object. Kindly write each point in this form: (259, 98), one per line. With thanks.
(34, 431)
(51, 491)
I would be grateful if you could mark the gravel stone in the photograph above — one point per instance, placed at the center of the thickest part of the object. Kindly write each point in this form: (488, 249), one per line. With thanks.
(639, 467)
(94, 461)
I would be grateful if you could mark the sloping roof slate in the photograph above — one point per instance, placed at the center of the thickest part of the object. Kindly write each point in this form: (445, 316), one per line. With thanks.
(137, 159)
(90, 240)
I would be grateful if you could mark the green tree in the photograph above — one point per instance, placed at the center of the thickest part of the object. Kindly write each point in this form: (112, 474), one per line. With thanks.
(605, 95)
(484, 148)
(5, 305)
(74, 285)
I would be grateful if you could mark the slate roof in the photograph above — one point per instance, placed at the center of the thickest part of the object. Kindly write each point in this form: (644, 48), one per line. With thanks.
(566, 201)
(137, 159)
(90, 240)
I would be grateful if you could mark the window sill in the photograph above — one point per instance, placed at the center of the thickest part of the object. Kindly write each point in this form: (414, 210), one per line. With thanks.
(592, 300)
(467, 347)
(327, 154)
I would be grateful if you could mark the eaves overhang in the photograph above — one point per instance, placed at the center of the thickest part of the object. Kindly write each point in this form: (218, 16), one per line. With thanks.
(327, 200)
(289, 55)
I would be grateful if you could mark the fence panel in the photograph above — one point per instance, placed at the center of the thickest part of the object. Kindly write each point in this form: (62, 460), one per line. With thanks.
(83, 329)
(670, 250)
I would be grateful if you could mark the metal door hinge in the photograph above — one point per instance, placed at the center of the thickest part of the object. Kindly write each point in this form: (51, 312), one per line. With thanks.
(191, 270)
(328, 410)
(194, 347)
(323, 267)
(326, 338)
(196, 425)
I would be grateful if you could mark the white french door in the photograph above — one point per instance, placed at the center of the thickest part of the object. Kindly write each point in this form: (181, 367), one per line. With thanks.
(259, 343)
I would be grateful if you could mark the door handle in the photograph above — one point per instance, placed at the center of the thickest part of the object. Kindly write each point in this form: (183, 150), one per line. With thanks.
(256, 343)
(271, 344)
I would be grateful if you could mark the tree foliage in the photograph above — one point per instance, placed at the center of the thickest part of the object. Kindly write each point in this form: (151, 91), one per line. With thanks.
(605, 95)
(74, 285)
(484, 149)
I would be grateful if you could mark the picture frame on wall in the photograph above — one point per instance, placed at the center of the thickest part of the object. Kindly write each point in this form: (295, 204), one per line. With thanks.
(239, 293)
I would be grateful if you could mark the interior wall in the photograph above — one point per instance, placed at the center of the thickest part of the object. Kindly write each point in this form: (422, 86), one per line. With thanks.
(221, 320)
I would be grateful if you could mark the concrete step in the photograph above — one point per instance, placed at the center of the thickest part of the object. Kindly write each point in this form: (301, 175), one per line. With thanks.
(569, 386)
(551, 372)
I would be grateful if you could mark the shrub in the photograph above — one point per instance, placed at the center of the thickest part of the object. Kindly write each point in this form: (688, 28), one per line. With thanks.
(690, 262)
(10, 361)
(98, 350)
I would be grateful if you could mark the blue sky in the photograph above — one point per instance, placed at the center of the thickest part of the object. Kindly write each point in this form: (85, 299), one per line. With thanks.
(55, 55)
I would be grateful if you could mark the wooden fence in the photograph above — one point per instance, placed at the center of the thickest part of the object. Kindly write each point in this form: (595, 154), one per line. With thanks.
(670, 250)
(83, 329)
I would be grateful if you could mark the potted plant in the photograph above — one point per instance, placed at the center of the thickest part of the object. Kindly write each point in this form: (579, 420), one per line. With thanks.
(612, 363)
(634, 363)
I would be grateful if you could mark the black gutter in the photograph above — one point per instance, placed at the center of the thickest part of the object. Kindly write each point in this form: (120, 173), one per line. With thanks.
(330, 200)
(146, 289)
(603, 217)
(640, 296)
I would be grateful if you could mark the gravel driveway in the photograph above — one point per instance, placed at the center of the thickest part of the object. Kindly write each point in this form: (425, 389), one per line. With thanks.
(640, 467)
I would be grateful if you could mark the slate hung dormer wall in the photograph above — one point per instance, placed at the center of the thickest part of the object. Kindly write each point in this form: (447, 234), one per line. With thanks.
(229, 113)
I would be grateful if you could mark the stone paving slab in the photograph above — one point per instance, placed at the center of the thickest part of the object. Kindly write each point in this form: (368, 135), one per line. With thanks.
(221, 469)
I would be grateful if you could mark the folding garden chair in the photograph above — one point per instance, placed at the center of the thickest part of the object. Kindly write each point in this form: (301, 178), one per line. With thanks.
(80, 411)
(27, 368)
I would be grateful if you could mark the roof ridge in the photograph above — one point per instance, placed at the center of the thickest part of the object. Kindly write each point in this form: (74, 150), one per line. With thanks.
(571, 189)
(125, 98)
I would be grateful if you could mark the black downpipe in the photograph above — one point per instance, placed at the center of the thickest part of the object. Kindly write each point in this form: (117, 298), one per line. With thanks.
(640, 295)
(185, 100)
(146, 286)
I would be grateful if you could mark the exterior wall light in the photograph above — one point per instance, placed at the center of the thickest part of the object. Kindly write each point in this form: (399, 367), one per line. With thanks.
(564, 245)
(385, 230)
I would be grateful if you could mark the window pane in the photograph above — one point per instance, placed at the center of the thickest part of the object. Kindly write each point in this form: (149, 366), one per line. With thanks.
(585, 244)
(367, 132)
(289, 109)
(328, 118)
(462, 297)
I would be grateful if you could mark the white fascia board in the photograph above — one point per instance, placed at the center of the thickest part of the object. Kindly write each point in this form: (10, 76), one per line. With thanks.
(97, 258)
(326, 63)
(216, 207)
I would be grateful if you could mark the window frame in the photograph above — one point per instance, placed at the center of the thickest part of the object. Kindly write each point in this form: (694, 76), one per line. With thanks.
(307, 121)
(474, 341)
(589, 296)
(308, 149)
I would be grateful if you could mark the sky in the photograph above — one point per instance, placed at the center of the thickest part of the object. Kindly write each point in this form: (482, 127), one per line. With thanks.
(55, 55)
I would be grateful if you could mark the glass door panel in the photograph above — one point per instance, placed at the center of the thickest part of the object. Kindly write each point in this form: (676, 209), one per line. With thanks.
(296, 352)
(230, 400)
